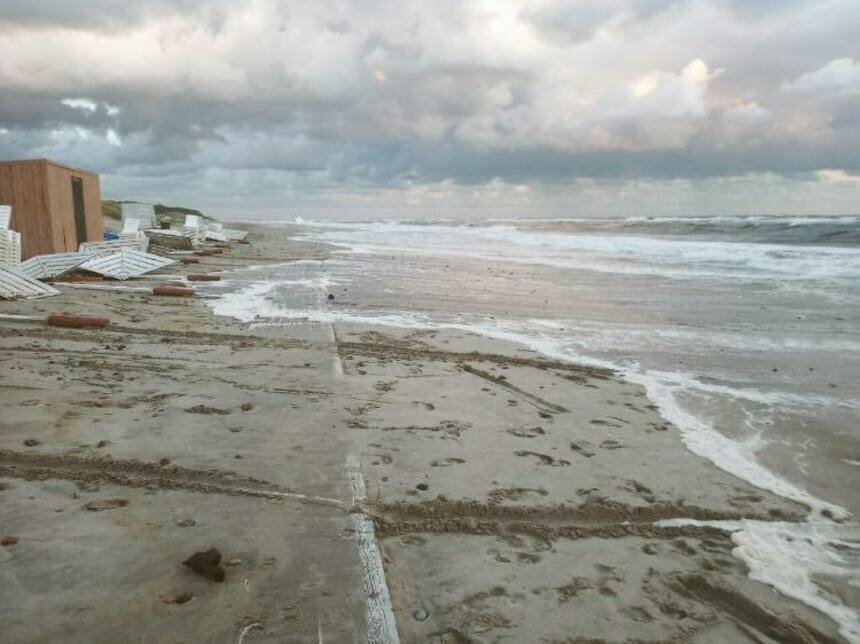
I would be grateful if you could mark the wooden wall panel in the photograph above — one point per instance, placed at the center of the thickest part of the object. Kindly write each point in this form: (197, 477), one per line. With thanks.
(93, 206)
(62, 209)
(23, 186)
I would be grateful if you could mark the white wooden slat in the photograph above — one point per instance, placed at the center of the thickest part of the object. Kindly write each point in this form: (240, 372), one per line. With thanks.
(125, 263)
(233, 234)
(10, 248)
(136, 242)
(5, 216)
(16, 285)
(48, 266)
(215, 235)
(141, 211)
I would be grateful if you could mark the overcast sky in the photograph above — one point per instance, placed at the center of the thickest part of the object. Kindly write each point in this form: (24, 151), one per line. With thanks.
(443, 107)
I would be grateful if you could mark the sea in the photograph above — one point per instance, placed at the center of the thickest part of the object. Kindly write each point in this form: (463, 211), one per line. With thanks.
(744, 330)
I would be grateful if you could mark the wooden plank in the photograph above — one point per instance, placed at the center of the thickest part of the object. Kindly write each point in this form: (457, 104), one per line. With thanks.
(124, 263)
(15, 285)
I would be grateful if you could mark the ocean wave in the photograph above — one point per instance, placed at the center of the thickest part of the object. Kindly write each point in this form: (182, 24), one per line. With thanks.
(631, 254)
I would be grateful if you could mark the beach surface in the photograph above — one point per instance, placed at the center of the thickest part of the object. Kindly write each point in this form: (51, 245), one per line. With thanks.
(508, 496)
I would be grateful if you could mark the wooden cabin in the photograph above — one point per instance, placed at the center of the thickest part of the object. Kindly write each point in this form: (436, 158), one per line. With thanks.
(54, 207)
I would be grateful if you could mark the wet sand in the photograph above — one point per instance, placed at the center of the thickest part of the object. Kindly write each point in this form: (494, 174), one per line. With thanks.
(514, 498)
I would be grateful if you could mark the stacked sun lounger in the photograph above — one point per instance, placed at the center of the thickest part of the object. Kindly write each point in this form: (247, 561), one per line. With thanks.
(136, 242)
(10, 241)
(144, 213)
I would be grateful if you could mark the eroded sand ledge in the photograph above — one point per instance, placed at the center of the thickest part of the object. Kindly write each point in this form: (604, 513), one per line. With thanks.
(514, 497)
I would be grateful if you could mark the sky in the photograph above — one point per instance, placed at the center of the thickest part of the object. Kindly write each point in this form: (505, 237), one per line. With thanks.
(443, 108)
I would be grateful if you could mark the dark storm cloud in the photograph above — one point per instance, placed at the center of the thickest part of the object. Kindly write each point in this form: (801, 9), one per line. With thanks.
(339, 95)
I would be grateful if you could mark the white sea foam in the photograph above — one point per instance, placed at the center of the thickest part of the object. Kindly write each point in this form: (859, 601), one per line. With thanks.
(789, 557)
(736, 457)
(621, 334)
(600, 252)
(248, 303)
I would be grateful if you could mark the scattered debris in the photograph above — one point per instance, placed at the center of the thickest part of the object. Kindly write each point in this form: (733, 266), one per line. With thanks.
(205, 409)
(76, 321)
(130, 226)
(203, 278)
(173, 291)
(233, 234)
(8, 541)
(10, 241)
(135, 211)
(77, 278)
(124, 263)
(181, 598)
(233, 562)
(31, 442)
(169, 240)
(105, 504)
(423, 487)
(44, 267)
(60, 319)
(136, 243)
(16, 285)
(205, 563)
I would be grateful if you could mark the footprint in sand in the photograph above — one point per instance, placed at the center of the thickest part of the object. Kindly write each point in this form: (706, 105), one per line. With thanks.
(527, 432)
(544, 459)
(445, 462)
(515, 493)
(598, 421)
(640, 490)
(582, 448)
(611, 444)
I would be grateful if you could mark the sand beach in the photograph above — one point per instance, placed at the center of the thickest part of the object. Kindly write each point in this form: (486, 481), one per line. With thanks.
(507, 496)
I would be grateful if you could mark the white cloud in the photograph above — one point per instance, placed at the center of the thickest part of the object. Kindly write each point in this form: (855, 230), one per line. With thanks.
(838, 176)
(82, 104)
(838, 77)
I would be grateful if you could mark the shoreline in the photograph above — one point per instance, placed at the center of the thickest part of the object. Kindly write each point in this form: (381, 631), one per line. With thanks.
(528, 502)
